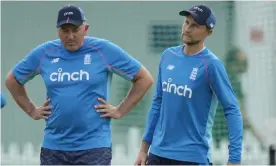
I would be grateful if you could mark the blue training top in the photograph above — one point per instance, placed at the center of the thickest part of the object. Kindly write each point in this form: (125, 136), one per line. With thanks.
(74, 81)
(183, 110)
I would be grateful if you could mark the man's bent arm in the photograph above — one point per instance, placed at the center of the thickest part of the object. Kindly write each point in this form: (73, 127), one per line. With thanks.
(141, 84)
(19, 94)
(220, 84)
(24, 71)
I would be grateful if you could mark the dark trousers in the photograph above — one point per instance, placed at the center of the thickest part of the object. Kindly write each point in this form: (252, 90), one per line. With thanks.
(97, 156)
(157, 160)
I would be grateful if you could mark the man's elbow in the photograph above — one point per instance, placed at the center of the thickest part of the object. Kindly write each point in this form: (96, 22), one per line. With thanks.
(10, 81)
(148, 79)
(145, 77)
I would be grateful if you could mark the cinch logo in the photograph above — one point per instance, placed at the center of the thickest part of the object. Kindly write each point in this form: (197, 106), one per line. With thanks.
(179, 90)
(75, 76)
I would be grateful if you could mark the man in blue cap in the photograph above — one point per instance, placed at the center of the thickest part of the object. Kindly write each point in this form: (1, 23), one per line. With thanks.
(76, 70)
(191, 82)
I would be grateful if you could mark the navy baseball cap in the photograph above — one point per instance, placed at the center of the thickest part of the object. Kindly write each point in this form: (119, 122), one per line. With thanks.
(202, 14)
(70, 14)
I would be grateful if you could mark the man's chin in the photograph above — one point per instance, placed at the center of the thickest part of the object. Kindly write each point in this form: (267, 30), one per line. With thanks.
(189, 43)
(72, 48)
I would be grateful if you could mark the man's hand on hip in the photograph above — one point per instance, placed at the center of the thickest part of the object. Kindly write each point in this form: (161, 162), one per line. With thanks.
(41, 112)
(109, 111)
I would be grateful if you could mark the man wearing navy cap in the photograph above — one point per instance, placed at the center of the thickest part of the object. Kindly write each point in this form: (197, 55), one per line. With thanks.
(76, 70)
(191, 82)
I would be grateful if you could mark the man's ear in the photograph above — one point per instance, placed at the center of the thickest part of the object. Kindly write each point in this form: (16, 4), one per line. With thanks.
(86, 27)
(210, 31)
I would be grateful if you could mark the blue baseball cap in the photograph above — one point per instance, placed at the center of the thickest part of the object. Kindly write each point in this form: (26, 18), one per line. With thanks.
(70, 14)
(202, 14)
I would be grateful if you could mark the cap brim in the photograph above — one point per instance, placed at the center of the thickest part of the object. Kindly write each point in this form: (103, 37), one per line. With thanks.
(194, 15)
(184, 13)
(76, 23)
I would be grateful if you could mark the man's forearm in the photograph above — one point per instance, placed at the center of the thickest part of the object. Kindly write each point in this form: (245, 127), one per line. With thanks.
(144, 147)
(19, 94)
(136, 93)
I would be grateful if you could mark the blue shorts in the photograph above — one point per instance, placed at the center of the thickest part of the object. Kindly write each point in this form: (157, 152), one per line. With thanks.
(97, 156)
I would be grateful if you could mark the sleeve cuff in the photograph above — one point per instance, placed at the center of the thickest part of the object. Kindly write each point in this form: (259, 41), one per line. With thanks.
(147, 140)
(16, 77)
(234, 161)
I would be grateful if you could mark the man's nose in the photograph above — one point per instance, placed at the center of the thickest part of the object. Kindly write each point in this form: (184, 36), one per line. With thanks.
(70, 35)
(187, 29)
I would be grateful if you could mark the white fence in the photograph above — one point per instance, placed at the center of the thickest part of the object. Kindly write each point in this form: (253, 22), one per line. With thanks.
(255, 35)
(252, 153)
